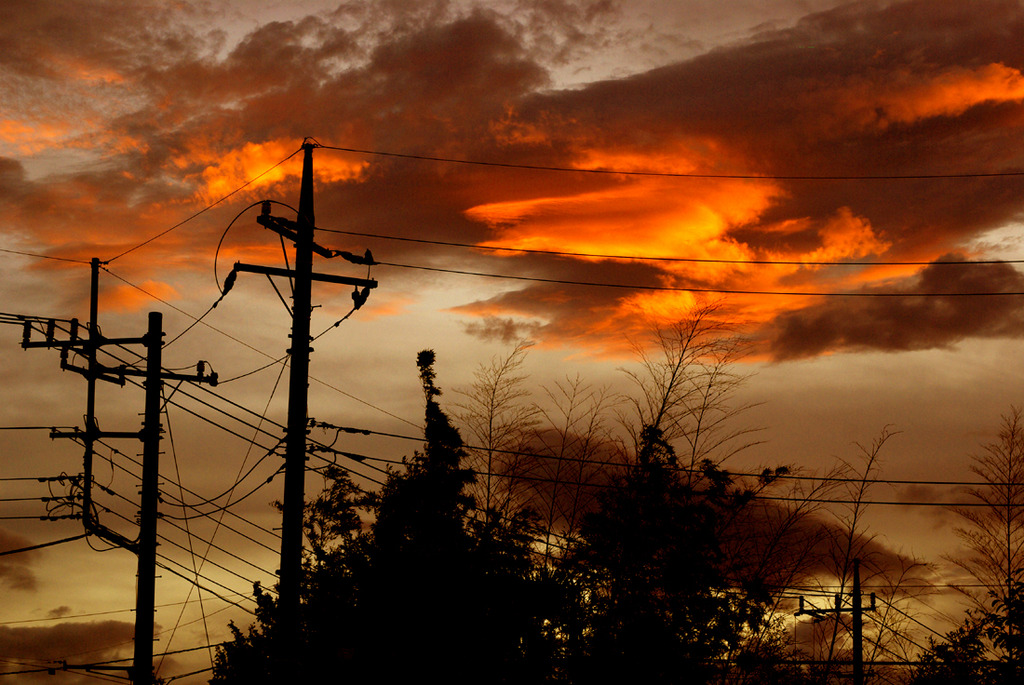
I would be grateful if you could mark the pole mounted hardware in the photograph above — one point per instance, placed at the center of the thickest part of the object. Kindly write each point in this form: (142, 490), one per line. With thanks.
(149, 434)
(857, 609)
(300, 232)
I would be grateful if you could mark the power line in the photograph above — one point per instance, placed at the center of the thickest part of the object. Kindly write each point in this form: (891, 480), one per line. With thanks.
(30, 428)
(207, 514)
(755, 496)
(45, 517)
(257, 351)
(739, 474)
(100, 613)
(898, 610)
(204, 209)
(258, 429)
(40, 479)
(191, 553)
(694, 289)
(206, 589)
(688, 260)
(188, 536)
(194, 581)
(44, 256)
(674, 174)
(40, 546)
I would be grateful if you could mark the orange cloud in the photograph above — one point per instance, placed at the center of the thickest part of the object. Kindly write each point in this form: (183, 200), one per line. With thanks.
(512, 130)
(95, 74)
(903, 96)
(843, 236)
(28, 138)
(952, 92)
(675, 218)
(124, 298)
(226, 171)
(651, 218)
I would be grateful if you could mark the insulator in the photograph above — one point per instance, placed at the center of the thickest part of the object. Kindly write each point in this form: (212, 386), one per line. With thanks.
(359, 298)
(229, 282)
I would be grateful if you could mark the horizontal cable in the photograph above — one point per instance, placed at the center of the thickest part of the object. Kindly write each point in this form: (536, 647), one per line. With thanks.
(103, 613)
(222, 524)
(204, 209)
(687, 260)
(40, 546)
(674, 174)
(45, 256)
(194, 537)
(694, 289)
(739, 474)
(273, 359)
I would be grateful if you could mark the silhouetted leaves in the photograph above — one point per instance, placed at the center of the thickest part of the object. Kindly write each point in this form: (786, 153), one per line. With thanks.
(659, 607)
(437, 588)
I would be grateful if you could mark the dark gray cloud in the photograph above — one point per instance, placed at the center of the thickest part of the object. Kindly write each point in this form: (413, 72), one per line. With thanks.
(30, 648)
(918, 320)
(16, 569)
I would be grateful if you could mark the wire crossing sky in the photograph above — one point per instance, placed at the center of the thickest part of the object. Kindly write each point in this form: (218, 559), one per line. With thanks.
(841, 182)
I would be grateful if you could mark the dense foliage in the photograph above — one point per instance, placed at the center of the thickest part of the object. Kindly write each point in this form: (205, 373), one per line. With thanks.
(552, 551)
(436, 587)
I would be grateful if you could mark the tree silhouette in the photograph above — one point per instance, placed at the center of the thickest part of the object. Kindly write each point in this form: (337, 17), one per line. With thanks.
(590, 575)
(965, 656)
(428, 590)
(992, 532)
(498, 416)
(989, 646)
(659, 607)
(329, 620)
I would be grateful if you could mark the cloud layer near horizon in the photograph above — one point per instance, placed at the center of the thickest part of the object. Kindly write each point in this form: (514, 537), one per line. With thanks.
(163, 118)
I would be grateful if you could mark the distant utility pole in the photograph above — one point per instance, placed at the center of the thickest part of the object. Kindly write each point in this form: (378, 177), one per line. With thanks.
(301, 233)
(144, 546)
(857, 611)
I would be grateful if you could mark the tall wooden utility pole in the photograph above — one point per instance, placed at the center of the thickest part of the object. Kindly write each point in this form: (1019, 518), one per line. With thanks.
(144, 546)
(298, 387)
(858, 628)
(301, 233)
(145, 594)
(857, 611)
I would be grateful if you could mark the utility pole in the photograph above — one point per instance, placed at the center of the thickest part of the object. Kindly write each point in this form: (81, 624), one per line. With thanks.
(145, 544)
(293, 503)
(858, 630)
(857, 611)
(145, 595)
(301, 233)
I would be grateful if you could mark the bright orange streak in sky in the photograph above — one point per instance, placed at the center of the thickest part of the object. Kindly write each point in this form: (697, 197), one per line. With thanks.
(672, 218)
(950, 93)
(650, 217)
(124, 298)
(905, 96)
(28, 138)
(226, 171)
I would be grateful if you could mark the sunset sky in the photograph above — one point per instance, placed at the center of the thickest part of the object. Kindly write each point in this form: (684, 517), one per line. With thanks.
(844, 180)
